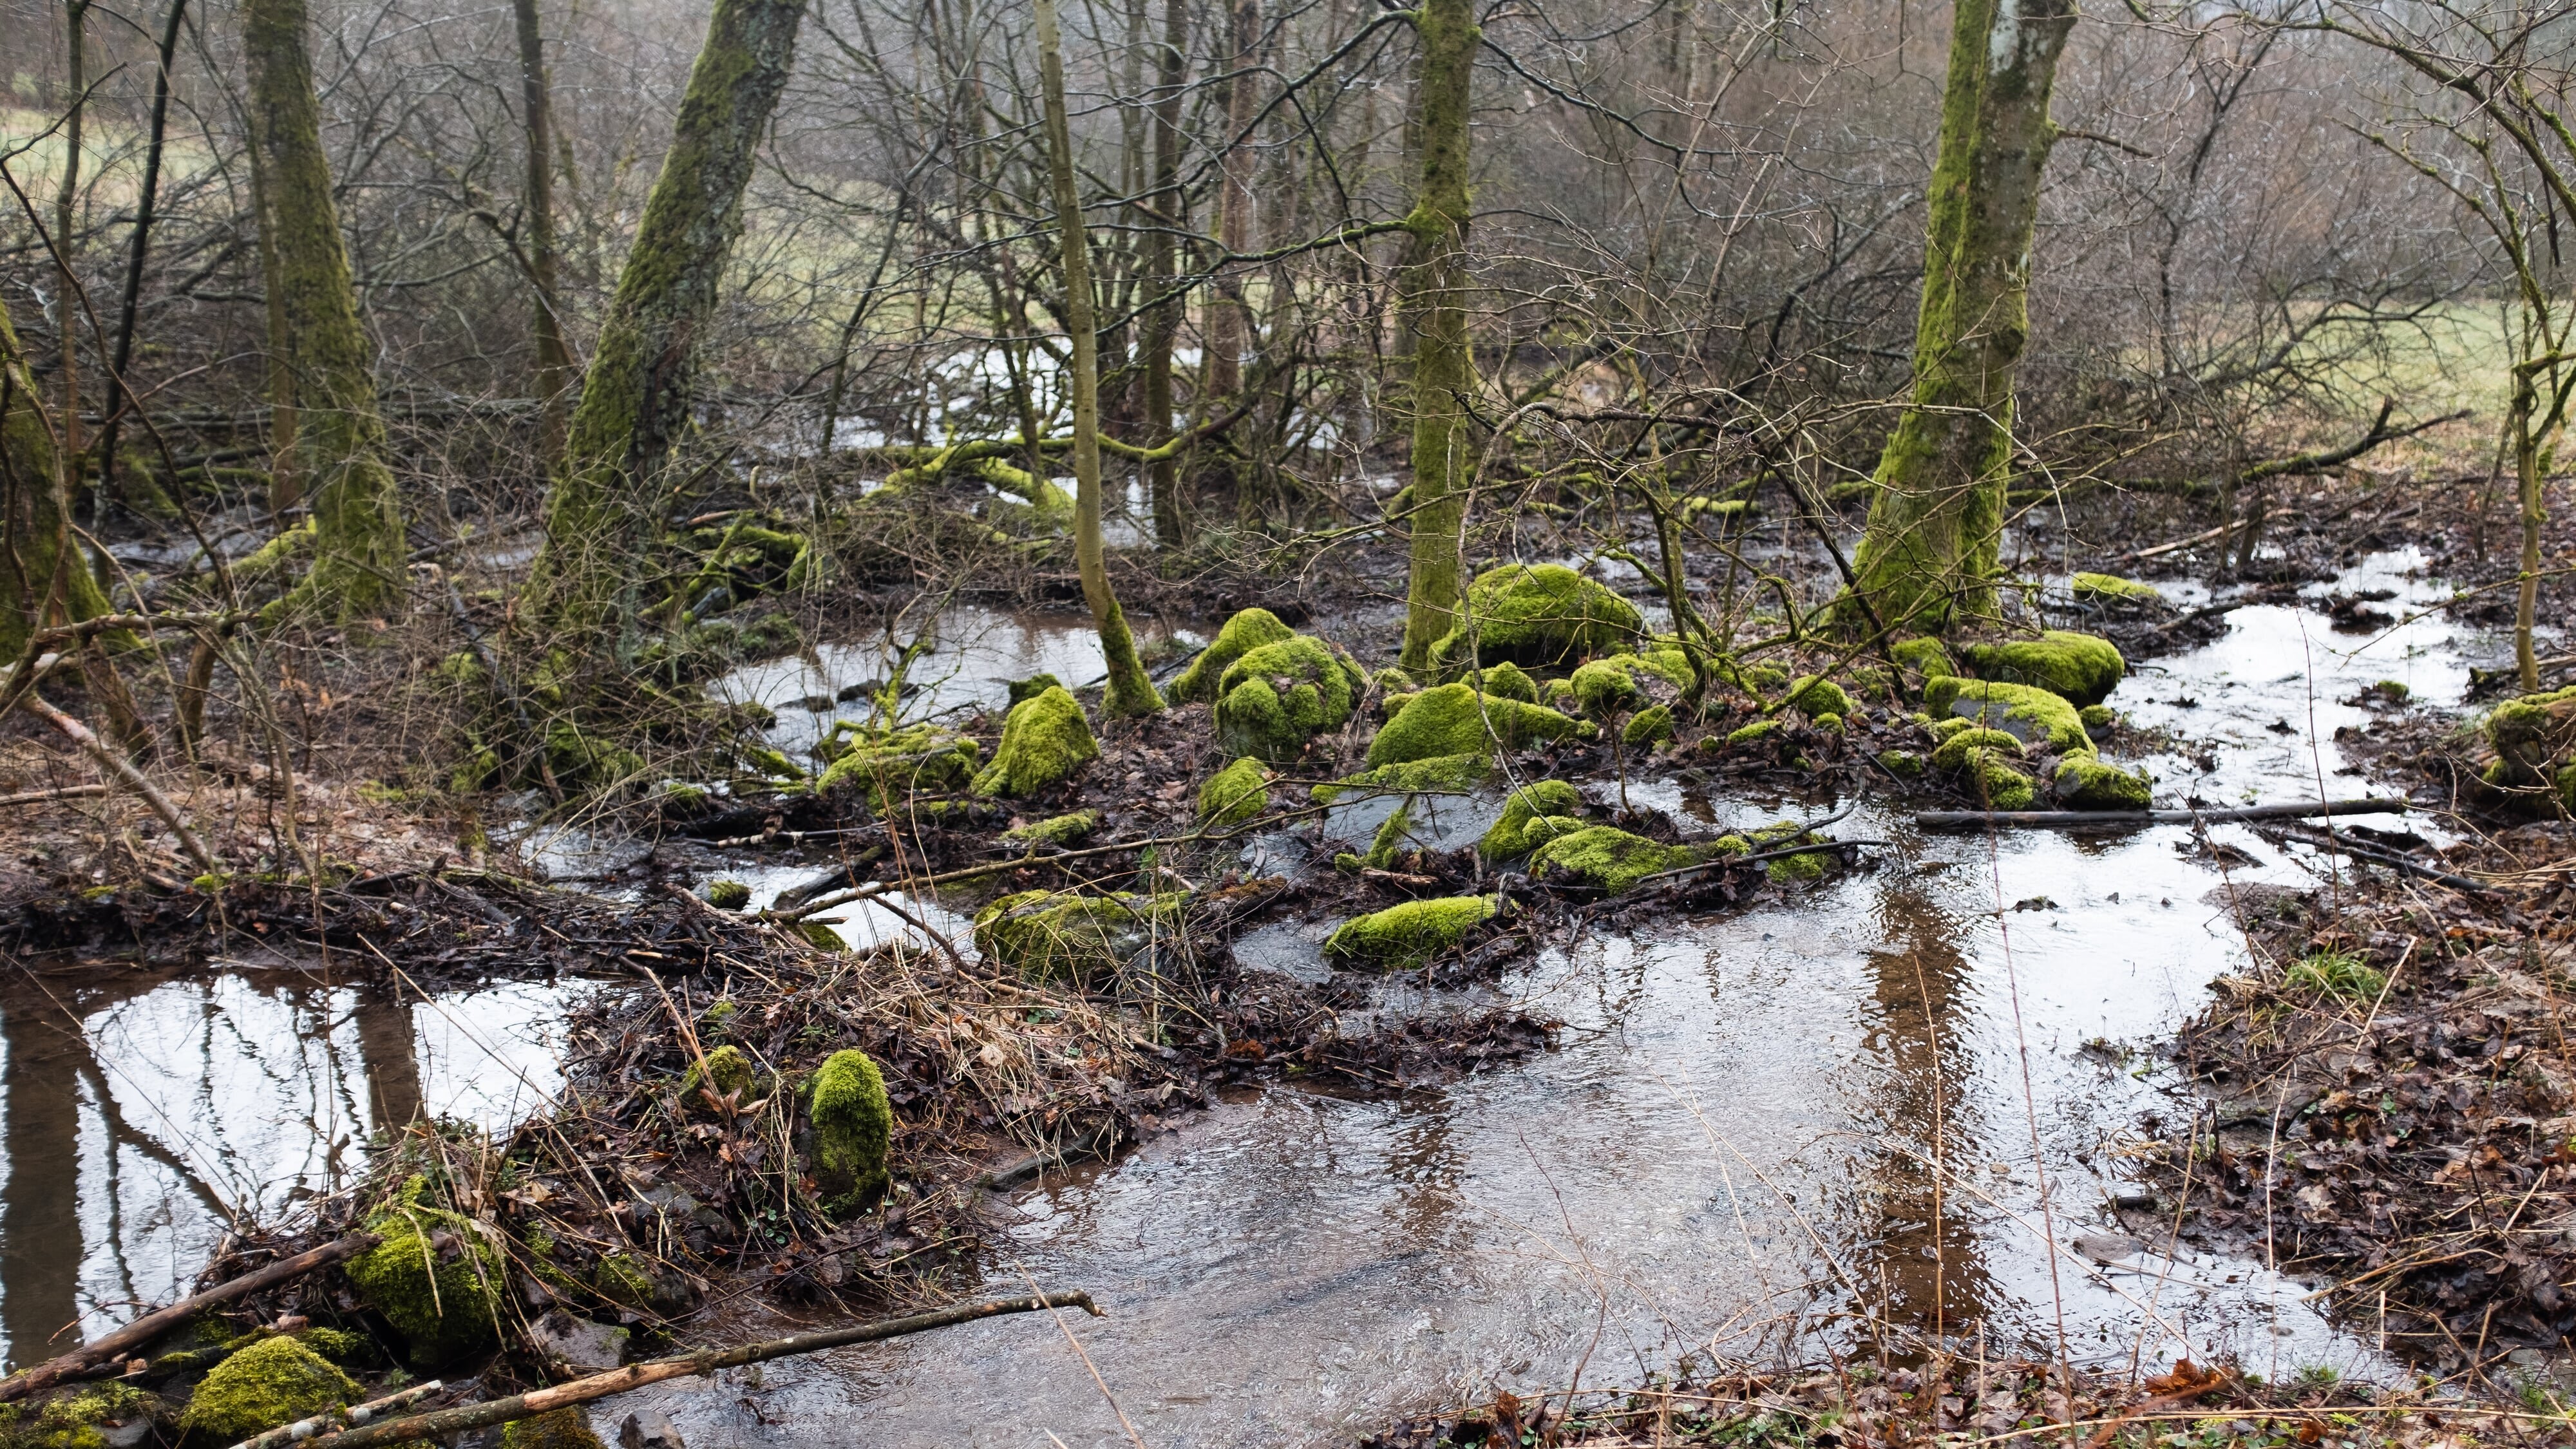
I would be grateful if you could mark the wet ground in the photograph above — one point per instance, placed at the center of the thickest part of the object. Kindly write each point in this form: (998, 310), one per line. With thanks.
(1900, 1097)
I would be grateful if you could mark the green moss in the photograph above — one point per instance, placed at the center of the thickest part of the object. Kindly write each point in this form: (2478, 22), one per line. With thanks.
(437, 1277)
(2084, 782)
(1610, 858)
(1047, 935)
(1393, 835)
(2113, 590)
(2018, 709)
(1409, 934)
(1923, 657)
(1816, 697)
(1903, 764)
(1242, 634)
(729, 1068)
(1023, 690)
(1996, 781)
(340, 1346)
(728, 895)
(2097, 717)
(1410, 777)
(1278, 696)
(2080, 668)
(2531, 736)
(1954, 751)
(853, 1126)
(887, 766)
(1606, 686)
(1760, 729)
(275, 1381)
(1519, 830)
(718, 1021)
(1044, 741)
(1455, 720)
(1801, 869)
(1506, 681)
(1648, 728)
(625, 1279)
(1234, 794)
(1057, 830)
(564, 1428)
(1537, 615)
(1947, 726)
(1558, 694)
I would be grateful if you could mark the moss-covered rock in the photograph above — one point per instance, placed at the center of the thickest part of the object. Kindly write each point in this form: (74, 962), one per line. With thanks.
(1409, 934)
(1505, 681)
(1045, 739)
(1394, 834)
(1610, 858)
(1455, 720)
(889, 765)
(1616, 682)
(853, 1126)
(1954, 751)
(80, 1420)
(729, 1069)
(1064, 935)
(1408, 777)
(2113, 590)
(2097, 717)
(1541, 615)
(1520, 829)
(1754, 733)
(1648, 728)
(564, 1428)
(1903, 764)
(2022, 710)
(2531, 739)
(273, 1382)
(2084, 782)
(1021, 691)
(1923, 658)
(1234, 794)
(1057, 830)
(1245, 632)
(1817, 697)
(437, 1277)
(2079, 668)
(1995, 779)
(1804, 868)
(728, 895)
(1277, 697)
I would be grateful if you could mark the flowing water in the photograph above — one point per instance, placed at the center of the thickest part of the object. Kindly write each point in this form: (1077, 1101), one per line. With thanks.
(1904, 1096)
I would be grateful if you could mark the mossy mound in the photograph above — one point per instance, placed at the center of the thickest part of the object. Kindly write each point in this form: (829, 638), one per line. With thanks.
(1611, 859)
(1996, 781)
(853, 1126)
(2021, 710)
(1742, 735)
(1063, 935)
(1235, 794)
(79, 1420)
(1541, 616)
(1649, 728)
(1407, 935)
(1455, 720)
(1021, 691)
(1903, 764)
(1520, 830)
(1953, 751)
(728, 895)
(564, 1428)
(2113, 590)
(273, 1382)
(1056, 830)
(2079, 668)
(1605, 686)
(1439, 772)
(2084, 782)
(1045, 739)
(729, 1069)
(916, 760)
(1924, 658)
(2532, 739)
(2097, 717)
(1246, 631)
(1804, 868)
(1816, 697)
(1504, 681)
(436, 1277)
(1393, 834)
(1277, 697)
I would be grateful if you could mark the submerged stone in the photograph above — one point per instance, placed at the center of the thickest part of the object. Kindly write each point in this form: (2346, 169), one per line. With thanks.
(274, 1382)
(1613, 859)
(1455, 720)
(1409, 934)
(1277, 697)
(2079, 668)
(2084, 782)
(1246, 631)
(1520, 829)
(853, 1126)
(1541, 615)
(1045, 739)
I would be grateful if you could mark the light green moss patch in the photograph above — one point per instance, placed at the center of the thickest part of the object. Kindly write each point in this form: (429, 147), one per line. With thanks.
(890, 765)
(1245, 632)
(1455, 720)
(1903, 764)
(1760, 729)
(1409, 934)
(853, 1125)
(2023, 710)
(436, 1277)
(564, 1428)
(1954, 751)
(1801, 869)
(1540, 615)
(1506, 681)
(2084, 782)
(1610, 858)
(1925, 658)
(1064, 935)
(1816, 697)
(1277, 697)
(729, 1069)
(1056, 830)
(2097, 717)
(2090, 588)
(1044, 741)
(1606, 686)
(2532, 738)
(1648, 728)
(2079, 668)
(1996, 781)
(1519, 830)
(1438, 772)
(1393, 835)
(274, 1381)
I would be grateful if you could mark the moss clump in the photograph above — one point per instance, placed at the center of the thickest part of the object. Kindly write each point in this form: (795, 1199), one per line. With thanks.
(1393, 835)
(728, 895)
(436, 1277)
(1648, 728)
(853, 1125)
(1953, 752)
(1021, 691)
(1410, 777)
(1455, 720)
(1760, 729)
(1064, 935)
(1606, 686)
(76, 1421)
(1800, 869)
(1996, 780)
(2113, 590)
(1541, 616)
(564, 1428)
(891, 764)
(1924, 658)
(2084, 782)
(1610, 858)
(1045, 739)
(1407, 935)
(1235, 794)
(2097, 717)
(1057, 830)
(274, 1381)
(728, 1068)
(1520, 830)
(1817, 697)
(2079, 668)
(2022, 710)
(1506, 681)
(1903, 764)
(1242, 634)
(2531, 738)
(1277, 697)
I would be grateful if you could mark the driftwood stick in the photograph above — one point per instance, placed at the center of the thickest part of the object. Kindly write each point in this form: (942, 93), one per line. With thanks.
(117, 765)
(67, 792)
(152, 1325)
(464, 1417)
(355, 1414)
(2046, 819)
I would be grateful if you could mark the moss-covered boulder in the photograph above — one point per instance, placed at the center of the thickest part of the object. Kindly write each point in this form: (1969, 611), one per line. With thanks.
(1922, 658)
(2079, 668)
(1021, 691)
(728, 895)
(2022, 710)
(2097, 717)
(436, 1276)
(1746, 735)
(1245, 632)
(892, 764)
(564, 1428)
(1065, 935)
(1648, 729)
(1953, 752)
(2531, 740)
(1407, 935)
(1455, 720)
(1277, 697)
(1394, 836)
(81, 1420)
(1541, 616)
(1504, 681)
(1816, 697)
(2113, 591)
(729, 1069)
(1903, 764)
(1520, 830)
(1409, 777)
(1612, 859)
(1994, 778)
(2084, 782)
(1617, 682)
(1060, 831)
(853, 1126)
(273, 1382)
(1235, 794)
(1045, 739)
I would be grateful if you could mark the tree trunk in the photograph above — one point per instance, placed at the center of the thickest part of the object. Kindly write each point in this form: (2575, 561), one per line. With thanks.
(554, 359)
(1931, 551)
(2528, 479)
(1130, 691)
(1434, 287)
(285, 483)
(66, 197)
(1228, 322)
(1162, 320)
(358, 546)
(138, 246)
(600, 521)
(42, 576)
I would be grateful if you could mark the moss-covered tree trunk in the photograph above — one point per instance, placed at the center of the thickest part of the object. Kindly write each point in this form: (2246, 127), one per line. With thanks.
(1168, 213)
(1130, 691)
(554, 359)
(601, 526)
(1433, 295)
(1930, 554)
(358, 547)
(43, 578)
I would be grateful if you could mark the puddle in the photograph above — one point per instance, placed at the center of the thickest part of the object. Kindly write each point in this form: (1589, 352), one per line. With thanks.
(184, 1100)
(863, 924)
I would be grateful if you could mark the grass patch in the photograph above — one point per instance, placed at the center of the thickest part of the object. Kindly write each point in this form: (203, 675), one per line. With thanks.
(2339, 974)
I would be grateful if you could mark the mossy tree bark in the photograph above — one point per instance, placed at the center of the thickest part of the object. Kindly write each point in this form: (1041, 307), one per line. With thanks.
(339, 434)
(600, 520)
(1229, 323)
(1433, 288)
(1131, 692)
(554, 358)
(1930, 554)
(43, 577)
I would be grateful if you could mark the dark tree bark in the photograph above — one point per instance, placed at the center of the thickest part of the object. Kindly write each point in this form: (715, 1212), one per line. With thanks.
(554, 358)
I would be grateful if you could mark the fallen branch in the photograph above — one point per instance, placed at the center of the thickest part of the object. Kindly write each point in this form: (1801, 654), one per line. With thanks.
(152, 1325)
(466, 1417)
(123, 769)
(2044, 819)
(348, 1418)
(67, 792)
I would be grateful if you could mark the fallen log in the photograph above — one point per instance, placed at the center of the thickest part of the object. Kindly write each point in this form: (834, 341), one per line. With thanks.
(2049, 819)
(440, 1423)
(152, 1325)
